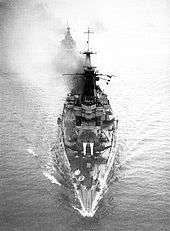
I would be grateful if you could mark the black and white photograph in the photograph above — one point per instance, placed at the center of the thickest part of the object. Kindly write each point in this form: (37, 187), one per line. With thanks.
(84, 115)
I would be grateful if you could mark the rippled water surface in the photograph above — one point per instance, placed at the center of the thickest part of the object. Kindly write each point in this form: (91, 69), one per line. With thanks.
(138, 201)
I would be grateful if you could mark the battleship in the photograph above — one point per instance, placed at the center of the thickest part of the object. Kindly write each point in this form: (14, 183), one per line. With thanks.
(88, 131)
(69, 60)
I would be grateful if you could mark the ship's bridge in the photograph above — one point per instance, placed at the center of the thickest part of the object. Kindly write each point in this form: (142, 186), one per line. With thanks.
(90, 114)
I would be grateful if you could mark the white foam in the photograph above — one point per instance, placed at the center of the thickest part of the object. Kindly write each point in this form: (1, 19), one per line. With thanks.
(31, 151)
(51, 178)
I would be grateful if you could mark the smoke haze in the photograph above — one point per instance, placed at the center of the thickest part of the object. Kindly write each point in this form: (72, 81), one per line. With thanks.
(132, 40)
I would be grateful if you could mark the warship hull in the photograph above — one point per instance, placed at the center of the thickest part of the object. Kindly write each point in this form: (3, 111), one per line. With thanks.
(88, 136)
(89, 142)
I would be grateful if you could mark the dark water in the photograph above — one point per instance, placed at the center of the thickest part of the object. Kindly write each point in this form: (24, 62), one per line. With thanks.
(138, 201)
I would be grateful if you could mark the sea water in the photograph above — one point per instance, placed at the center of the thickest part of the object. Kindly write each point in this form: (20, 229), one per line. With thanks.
(139, 200)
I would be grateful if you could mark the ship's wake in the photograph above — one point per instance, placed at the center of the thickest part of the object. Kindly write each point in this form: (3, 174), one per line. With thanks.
(58, 171)
(51, 178)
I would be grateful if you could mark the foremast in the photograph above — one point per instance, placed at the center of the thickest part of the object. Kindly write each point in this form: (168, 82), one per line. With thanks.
(90, 76)
(88, 52)
(89, 93)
